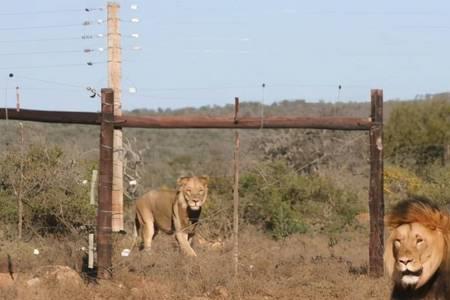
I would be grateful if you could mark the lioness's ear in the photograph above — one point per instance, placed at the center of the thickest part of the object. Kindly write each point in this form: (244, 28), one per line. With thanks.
(204, 179)
(182, 180)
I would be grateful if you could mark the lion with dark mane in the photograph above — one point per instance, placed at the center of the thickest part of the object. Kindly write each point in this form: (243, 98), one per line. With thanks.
(417, 254)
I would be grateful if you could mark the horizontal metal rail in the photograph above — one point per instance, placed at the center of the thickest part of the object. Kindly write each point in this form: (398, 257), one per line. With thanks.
(89, 118)
(336, 123)
(64, 117)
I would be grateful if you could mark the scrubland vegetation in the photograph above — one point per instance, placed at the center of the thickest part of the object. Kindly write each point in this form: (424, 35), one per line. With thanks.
(303, 201)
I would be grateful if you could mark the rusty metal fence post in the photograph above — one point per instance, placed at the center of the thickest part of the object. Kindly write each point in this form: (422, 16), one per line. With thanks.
(104, 213)
(376, 199)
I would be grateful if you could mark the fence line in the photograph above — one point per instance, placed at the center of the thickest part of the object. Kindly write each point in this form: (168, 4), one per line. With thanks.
(108, 122)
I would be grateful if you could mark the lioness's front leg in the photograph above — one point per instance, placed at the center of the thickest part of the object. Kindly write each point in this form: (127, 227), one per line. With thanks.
(148, 231)
(191, 240)
(181, 223)
(183, 241)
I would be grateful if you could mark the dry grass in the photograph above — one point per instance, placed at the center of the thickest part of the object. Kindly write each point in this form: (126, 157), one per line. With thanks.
(300, 267)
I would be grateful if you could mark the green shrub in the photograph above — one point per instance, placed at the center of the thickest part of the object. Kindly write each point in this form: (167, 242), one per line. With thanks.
(217, 213)
(283, 202)
(418, 132)
(432, 182)
(436, 185)
(54, 196)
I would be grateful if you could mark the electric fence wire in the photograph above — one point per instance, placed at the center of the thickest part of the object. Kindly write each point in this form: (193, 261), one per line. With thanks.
(45, 12)
(87, 23)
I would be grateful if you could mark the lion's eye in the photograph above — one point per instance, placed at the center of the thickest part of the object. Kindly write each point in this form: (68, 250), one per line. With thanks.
(419, 241)
(188, 190)
(397, 243)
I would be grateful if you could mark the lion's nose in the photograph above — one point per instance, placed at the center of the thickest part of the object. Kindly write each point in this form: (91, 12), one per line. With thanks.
(405, 260)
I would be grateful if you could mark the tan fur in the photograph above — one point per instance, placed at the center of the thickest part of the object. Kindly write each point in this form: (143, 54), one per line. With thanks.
(172, 211)
(417, 251)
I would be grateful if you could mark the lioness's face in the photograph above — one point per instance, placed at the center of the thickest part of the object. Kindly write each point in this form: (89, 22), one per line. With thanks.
(417, 253)
(195, 190)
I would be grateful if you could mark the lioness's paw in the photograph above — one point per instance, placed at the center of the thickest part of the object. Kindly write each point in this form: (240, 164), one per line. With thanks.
(190, 253)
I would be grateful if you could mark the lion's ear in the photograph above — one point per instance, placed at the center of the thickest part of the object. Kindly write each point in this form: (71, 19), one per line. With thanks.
(389, 260)
(204, 179)
(182, 181)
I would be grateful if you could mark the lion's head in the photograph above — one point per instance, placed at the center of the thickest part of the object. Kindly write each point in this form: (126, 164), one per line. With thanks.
(194, 190)
(418, 245)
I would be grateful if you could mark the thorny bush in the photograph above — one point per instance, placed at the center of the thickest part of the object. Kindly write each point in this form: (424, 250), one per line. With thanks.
(282, 202)
(53, 189)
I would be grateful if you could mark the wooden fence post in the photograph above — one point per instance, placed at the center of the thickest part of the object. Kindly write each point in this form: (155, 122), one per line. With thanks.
(104, 213)
(376, 199)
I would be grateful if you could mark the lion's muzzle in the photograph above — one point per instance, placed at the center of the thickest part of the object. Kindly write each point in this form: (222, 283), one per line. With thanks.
(195, 203)
(409, 275)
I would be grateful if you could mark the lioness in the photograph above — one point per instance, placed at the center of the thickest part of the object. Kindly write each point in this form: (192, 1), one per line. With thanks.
(172, 211)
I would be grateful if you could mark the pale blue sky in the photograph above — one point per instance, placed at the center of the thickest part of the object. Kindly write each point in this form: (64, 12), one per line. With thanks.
(206, 52)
